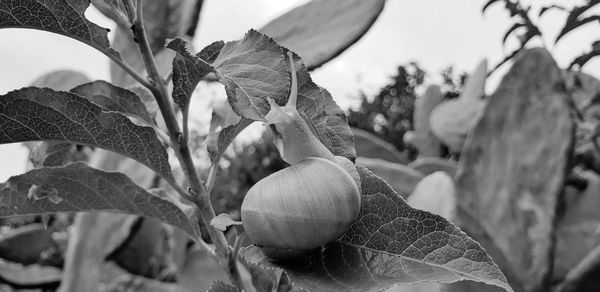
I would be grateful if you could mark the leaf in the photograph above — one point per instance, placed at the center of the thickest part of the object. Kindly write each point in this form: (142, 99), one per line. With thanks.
(115, 10)
(401, 178)
(577, 229)
(573, 20)
(50, 153)
(488, 4)
(429, 165)
(62, 80)
(550, 7)
(210, 53)
(321, 30)
(435, 193)
(269, 279)
(35, 237)
(223, 117)
(390, 244)
(583, 89)
(474, 89)
(55, 153)
(371, 146)
(513, 164)
(187, 72)
(113, 98)
(342, 139)
(424, 139)
(586, 57)
(571, 25)
(223, 221)
(511, 30)
(31, 276)
(253, 69)
(33, 114)
(79, 188)
(65, 17)
(219, 286)
(225, 137)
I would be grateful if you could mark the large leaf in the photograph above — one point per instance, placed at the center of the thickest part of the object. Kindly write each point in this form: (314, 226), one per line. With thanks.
(55, 153)
(113, 98)
(371, 146)
(187, 72)
(64, 17)
(403, 179)
(514, 163)
(78, 187)
(425, 141)
(253, 69)
(320, 30)
(577, 229)
(390, 244)
(32, 114)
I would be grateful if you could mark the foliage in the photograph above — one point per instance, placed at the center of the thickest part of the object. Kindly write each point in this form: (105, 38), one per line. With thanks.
(531, 30)
(255, 72)
(389, 114)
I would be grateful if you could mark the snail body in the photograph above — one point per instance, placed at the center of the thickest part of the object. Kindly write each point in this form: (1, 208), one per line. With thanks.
(308, 204)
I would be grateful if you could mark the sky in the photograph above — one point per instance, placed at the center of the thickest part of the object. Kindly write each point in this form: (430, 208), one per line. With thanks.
(435, 33)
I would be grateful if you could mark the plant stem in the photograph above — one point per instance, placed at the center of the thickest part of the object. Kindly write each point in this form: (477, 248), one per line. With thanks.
(129, 70)
(197, 190)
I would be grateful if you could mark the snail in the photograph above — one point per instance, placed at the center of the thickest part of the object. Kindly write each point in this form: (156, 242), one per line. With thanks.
(308, 204)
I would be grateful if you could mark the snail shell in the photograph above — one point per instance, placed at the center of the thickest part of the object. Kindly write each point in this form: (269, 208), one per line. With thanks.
(300, 207)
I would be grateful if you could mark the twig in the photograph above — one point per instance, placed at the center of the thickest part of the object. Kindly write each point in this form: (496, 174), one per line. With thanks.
(212, 174)
(197, 191)
(130, 71)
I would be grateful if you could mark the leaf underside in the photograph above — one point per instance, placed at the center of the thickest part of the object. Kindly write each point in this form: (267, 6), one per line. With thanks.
(253, 69)
(114, 98)
(79, 188)
(188, 69)
(33, 114)
(514, 162)
(321, 30)
(65, 17)
(390, 244)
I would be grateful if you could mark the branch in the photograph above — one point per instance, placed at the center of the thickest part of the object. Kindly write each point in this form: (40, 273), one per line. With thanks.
(197, 190)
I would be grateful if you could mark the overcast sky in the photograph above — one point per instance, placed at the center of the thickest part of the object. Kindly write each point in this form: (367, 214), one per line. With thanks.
(435, 33)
